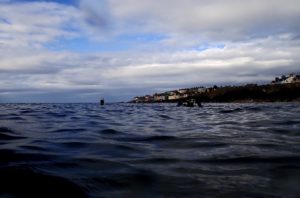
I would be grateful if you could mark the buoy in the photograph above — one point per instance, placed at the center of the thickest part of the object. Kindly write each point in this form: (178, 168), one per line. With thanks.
(102, 102)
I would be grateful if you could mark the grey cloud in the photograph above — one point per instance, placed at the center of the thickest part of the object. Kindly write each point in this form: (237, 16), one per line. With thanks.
(113, 73)
(29, 71)
(215, 20)
(36, 23)
(96, 13)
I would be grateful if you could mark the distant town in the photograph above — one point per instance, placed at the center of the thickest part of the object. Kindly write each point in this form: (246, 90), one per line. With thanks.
(283, 88)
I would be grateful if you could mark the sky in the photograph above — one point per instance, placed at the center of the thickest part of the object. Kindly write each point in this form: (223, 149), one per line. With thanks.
(84, 50)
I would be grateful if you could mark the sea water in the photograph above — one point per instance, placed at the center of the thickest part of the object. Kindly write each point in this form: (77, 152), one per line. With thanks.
(150, 150)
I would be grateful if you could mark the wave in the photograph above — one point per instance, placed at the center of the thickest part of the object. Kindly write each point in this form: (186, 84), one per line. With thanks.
(251, 160)
(25, 182)
(231, 110)
(110, 132)
(11, 156)
(8, 134)
(165, 117)
(159, 150)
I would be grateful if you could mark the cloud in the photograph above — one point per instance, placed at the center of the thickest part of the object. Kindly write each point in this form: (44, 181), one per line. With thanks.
(264, 57)
(96, 13)
(34, 24)
(215, 20)
(210, 66)
(174, 44)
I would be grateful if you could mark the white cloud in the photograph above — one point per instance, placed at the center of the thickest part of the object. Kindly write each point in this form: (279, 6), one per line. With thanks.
(259, 40)
(253, 61)
(210, 66)
(34, 24)
(218, 19)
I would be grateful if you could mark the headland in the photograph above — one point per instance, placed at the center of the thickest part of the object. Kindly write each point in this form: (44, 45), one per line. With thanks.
(282, 89)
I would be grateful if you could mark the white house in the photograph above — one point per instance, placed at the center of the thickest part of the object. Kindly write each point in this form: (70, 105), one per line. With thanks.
(175, 97)
(292, 78)
(183, 91)
(201, 90)
(159, 97)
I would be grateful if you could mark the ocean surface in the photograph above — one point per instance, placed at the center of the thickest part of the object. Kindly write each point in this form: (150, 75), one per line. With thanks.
(151, 150)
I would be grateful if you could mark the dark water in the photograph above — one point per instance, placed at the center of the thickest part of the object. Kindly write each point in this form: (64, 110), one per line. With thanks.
(125, 150)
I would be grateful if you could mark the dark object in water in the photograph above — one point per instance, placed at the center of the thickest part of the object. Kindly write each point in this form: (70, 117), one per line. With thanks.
(102, 102)
(180, 103)
(189, 103)
(198, 102)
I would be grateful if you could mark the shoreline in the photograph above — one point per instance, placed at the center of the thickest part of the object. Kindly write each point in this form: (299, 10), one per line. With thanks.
(250, 93)
(227, 102)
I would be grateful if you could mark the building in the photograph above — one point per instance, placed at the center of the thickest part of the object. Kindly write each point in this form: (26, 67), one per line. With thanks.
(201, 90)
(139, 99)
(183, 91)
(149, 98)
(292, 78)
(175, 95)
(160, 97)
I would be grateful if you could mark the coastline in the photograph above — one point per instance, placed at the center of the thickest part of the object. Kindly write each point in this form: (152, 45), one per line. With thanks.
(250, 93)
(233, 102)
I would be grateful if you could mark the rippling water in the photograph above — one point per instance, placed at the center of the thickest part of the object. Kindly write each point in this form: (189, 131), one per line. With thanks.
(154, 150)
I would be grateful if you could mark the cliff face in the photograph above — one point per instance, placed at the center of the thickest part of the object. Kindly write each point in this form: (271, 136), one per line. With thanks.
(254, 93)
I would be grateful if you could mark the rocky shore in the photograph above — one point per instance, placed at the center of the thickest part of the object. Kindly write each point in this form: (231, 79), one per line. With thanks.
(254, 93)
(288, 92)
